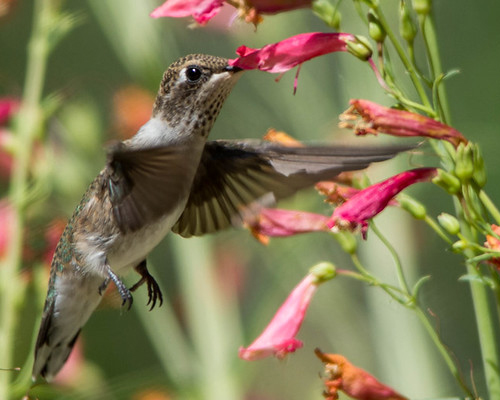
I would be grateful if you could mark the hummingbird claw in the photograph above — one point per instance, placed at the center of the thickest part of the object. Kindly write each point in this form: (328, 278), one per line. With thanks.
(103, 286)
(154, 292)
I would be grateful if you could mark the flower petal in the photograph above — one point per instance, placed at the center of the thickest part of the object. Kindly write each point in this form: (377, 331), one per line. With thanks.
(372, 200)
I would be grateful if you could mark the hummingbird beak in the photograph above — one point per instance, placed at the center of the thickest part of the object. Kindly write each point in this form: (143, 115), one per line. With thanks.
(233, 69)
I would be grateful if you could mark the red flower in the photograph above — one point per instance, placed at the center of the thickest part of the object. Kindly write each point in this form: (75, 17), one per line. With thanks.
(367, 117)
(287, 54)
(203, 10)
(372, 200)
(8, 107)
(278, 338)
(353, 381)
(276, 222)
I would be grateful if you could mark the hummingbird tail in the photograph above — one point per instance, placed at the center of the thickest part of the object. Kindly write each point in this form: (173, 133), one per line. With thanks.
(69, 304)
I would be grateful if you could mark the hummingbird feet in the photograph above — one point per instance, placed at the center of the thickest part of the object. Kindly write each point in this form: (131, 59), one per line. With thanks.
(154, 292)
(122, 289)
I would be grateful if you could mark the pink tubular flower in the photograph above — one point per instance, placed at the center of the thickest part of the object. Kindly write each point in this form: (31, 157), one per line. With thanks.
(372, 200)
(287, 54)
(201, 10)
(278, 338)
(367, 117)
(282, 223)
(354, 381)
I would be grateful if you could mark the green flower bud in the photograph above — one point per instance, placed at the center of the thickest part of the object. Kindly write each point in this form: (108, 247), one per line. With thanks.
(360, 48)
(323, 271)
(464, 162)
(375, 29)
(447, 181)
(347, 241)
(422, 7)
(414, 207)
(407, 28)
(479, 175)
(459, 246)
(449, 223)
(327, 12)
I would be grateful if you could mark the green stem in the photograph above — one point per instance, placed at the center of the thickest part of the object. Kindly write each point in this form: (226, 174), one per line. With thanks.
(434, 225)
(443, 350)
(404, 59)
(430, 39)
(490, 206)
(397, 261)
(28, 124)
(484, 318)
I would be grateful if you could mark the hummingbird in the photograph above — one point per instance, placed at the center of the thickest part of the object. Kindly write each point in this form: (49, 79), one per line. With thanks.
(168, 177)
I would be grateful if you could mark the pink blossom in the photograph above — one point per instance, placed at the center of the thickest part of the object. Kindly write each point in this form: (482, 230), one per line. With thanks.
(287, 54)
(281, 223)
(278, 338)
(372, 200)
(201, 10)
(8, 107)
(366, 117)
(353, 381)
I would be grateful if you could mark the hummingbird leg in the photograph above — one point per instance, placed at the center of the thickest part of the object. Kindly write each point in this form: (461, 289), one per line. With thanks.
(154, 292)
(122, 289)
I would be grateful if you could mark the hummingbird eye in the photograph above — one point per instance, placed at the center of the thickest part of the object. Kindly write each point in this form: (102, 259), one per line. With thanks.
(193, 74)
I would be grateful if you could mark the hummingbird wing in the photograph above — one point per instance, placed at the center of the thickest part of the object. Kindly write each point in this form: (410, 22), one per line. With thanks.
(146, 184)
(233, 174)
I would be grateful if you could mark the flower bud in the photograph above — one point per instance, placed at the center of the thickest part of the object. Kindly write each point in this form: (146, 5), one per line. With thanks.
(360, 48)
(347, 241)
(459, 246)
(449, 223)
(464, 162)
(407, 27)
(414, 207)
(375, 29)
(323, 271)
(447, 181)
(327, 12)
(422, 7)
(479, 174)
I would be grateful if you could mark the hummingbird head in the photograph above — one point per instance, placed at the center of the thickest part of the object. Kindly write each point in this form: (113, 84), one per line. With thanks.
(192, 92)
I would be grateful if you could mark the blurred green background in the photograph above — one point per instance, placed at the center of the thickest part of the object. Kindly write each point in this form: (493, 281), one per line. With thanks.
(222, 290)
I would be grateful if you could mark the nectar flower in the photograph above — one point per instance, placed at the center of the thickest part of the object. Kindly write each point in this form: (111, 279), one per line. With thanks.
(372, 200)
(278, 338)
(287, 54)
(366, 117)
(353, 381)
(276, 222)
(203, 10)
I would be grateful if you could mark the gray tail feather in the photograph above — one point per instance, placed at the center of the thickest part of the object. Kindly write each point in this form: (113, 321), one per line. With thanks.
(64, 315)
